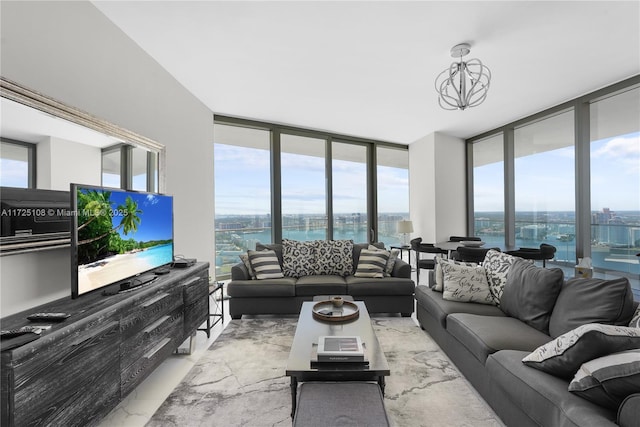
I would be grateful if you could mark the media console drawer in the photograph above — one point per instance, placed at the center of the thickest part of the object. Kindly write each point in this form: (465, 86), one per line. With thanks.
(47, 384)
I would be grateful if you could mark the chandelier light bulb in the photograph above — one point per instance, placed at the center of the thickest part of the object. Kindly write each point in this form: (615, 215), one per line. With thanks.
(463, 84)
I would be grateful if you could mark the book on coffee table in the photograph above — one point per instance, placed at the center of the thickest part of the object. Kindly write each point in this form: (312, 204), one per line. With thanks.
(342, 349)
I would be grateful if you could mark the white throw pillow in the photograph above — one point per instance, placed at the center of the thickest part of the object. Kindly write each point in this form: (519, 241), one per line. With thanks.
(265, 264)
(439, 276)
(497, 265)
(391, 262)
(466, 284)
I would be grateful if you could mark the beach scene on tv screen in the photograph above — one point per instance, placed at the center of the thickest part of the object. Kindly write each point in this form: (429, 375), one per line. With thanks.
(121, 234)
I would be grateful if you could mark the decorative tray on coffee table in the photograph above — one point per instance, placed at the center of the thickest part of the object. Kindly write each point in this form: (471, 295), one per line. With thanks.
(325, 310)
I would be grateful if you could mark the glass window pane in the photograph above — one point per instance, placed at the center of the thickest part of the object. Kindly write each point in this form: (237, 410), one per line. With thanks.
(14, 165)
(488, 189)
(393, 193)
(242, 174)
(349, 178)
(138, 169)
(304, 196)
(111, 168)
(615, 184)
(545, 184)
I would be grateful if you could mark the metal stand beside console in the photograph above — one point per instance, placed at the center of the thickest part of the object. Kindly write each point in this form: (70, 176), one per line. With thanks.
(218, 307)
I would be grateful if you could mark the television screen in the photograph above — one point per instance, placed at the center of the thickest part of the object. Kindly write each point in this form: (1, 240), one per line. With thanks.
(117, 235)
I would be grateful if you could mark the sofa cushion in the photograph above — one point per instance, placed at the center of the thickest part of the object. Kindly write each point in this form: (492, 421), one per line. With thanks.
(466, 284)
(583, 301)
(372, 263)
(265, 264)
(285, 287)
(298, 258)
(483, 335)
(542, 397)
(334, 257)
(608, 380)
(321, 284)
(362, 286)
(531, 293)
(497, 265)
(440, 308)
(564, 355)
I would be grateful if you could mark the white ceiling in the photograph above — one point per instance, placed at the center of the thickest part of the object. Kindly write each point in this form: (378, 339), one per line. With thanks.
(367, 68)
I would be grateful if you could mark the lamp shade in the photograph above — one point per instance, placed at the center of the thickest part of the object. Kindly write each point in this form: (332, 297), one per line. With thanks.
(405, 226)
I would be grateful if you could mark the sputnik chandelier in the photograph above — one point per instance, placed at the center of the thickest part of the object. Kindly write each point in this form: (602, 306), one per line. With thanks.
(463, 84)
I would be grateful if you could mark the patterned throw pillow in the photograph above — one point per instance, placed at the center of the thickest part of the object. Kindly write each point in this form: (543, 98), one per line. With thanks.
(608, 380)
(497, 265)
(391, 262)
(245, 260)
(438, 284)
(334, 257)
(372, 263)
(635, 319)
(298, 258)
(466, 284)
(265, 264)
(564, 355)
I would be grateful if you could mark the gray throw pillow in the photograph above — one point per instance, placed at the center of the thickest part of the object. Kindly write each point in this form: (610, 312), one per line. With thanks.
(608, 380)
(635, 319)
(531, 293)
(583, 301)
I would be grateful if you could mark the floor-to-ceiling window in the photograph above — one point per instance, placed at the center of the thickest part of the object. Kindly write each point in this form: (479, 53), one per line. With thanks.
(242, 192)
(274, 182)
(615, 182)
(392, 193)
(544, 184)
(349, 191)
(572, 179)
(488, 189)
(304, 195)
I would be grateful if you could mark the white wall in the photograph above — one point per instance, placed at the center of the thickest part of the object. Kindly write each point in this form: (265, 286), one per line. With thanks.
(437, 187)
(60, 162)
(71, 52)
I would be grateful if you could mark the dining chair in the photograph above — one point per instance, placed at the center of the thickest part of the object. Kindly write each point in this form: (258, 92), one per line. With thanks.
(543, 253)
(425, 248)
(469, 254)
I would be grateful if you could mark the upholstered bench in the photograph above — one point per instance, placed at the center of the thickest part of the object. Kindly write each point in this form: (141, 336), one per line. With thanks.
(340, 404)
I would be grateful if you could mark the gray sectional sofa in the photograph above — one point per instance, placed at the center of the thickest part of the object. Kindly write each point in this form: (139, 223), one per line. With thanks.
(488, 345)
(391, 294)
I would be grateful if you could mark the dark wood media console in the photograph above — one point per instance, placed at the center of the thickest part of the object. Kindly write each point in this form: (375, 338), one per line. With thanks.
(80, 369)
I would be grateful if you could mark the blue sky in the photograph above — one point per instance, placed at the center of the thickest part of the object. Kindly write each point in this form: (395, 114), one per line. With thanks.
(242, 184)
(545, 181)
(156, 217)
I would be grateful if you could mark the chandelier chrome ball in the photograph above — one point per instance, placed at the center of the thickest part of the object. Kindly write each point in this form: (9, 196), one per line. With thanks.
(463, 84)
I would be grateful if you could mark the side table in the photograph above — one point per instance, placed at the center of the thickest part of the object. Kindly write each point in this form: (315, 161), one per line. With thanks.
(218, 307)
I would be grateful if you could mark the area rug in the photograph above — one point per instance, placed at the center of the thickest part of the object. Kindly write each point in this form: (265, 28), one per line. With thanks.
(240, 381)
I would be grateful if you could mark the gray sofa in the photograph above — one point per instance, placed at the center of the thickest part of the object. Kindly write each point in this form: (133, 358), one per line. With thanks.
(393, 294)
(488, 346)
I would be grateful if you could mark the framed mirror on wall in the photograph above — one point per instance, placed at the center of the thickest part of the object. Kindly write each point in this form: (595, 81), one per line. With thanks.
(63, 145)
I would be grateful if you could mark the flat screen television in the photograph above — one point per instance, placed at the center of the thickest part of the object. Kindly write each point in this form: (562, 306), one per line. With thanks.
(117, 236)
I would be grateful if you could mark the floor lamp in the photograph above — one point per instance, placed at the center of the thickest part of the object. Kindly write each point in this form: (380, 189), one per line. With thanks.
(405, 227)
